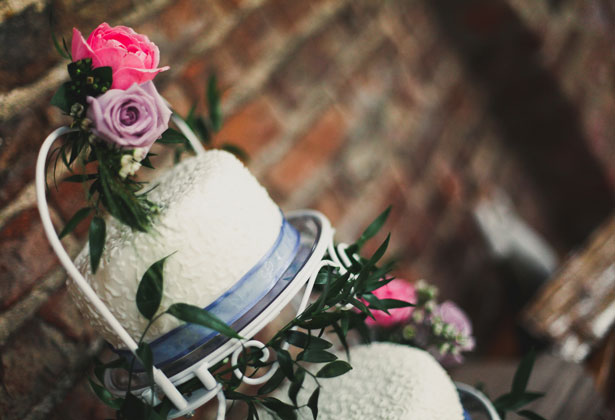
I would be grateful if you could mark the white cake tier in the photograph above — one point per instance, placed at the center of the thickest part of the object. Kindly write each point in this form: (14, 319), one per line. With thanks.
(216, 223)
(387, 382)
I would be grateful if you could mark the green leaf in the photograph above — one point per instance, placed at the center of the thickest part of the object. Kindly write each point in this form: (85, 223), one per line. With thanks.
(320, 320)
(171, 136)
(522, 375)
(146, 162)
(286, 363)
(285, 411)
(200, 128)
(144, 352)
(61, 98)
(323, 275)
(252, 415)
(105, 396)
(196, 315)
(272, 384)
(97, 241)
(385, 304)
(305, 341)
(236, 150)
(372, 229)
(333, 369)
(511, 402)
(213, 102)
(341, 334)
(104, 73)
(77, 218)
(149, 293)
(530, 415)
(136, 409)
(316, 356)
(295, 386)
(80, 178)
(313, 402)
(59, 49)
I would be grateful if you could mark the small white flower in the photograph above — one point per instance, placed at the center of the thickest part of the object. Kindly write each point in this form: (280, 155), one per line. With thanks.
(444, 348)
(129, 166)
(139, 153)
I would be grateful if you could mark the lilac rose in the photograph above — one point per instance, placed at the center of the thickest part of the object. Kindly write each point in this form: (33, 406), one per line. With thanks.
(131, 118)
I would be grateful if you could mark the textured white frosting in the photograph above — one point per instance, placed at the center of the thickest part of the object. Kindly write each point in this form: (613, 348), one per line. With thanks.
(216, 220)
(388, 382)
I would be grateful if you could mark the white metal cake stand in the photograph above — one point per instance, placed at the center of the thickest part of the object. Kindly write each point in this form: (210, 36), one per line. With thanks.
(316, 240)
(316, 236)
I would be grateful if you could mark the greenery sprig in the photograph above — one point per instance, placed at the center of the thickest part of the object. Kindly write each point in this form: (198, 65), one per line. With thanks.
(519, 396)
(339, 308)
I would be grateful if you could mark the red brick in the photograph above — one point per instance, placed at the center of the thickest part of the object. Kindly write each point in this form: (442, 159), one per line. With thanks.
(81, 403)
(21, 140)
(25, 255)
(251, 38)
(231, 5)
(307, 66)
(60, 311)
(219, 61)
(251, 128)
(332, 203)
(313, 150)
(181, 20)
(32, 362)
(68, 198)
(286, 15)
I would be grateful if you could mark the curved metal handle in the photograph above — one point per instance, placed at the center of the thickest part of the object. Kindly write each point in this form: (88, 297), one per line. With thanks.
(480, 397)
(160, 378)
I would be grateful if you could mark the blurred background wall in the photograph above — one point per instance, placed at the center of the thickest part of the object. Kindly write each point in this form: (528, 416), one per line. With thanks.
(433, 106)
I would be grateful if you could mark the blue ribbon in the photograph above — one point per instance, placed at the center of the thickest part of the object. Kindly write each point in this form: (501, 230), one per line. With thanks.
(234, 303)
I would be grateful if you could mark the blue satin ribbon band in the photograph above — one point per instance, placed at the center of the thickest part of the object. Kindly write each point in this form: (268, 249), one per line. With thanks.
(234, 303)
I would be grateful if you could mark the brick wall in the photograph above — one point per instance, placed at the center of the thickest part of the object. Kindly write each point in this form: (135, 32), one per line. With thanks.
(344, 106)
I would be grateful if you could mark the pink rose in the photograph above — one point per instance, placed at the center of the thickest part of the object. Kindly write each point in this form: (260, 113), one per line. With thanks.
(131, 118)
(132, 57)
(397, 289)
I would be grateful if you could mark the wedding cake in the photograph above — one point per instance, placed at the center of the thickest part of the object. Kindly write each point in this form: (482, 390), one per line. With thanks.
(215, 223)
(388, 382)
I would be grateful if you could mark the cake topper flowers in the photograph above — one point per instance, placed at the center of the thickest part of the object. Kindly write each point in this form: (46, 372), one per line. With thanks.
(117, 116)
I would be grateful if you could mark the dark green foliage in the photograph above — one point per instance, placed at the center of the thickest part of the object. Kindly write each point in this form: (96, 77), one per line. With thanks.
(149, 293)
(273, 383)
(296, 385)
(333, 369)
(306, 341)
(316, 356)
(213, 103)
(61, 98)
(87, 81)
(519, 397)
(196, 315)
(105, 396)
(78, 217)
(97, 241)
(313, 402)
(283, 410)
(338, 291)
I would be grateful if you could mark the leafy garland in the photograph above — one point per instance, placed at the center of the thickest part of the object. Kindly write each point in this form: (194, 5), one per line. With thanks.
(339, 308)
